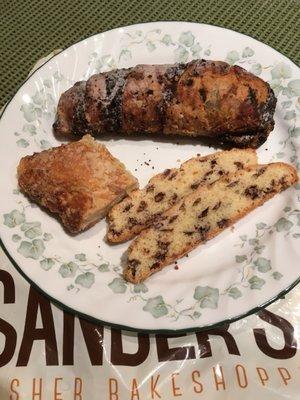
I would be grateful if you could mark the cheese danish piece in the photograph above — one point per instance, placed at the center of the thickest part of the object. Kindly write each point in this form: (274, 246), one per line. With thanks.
(78, 181)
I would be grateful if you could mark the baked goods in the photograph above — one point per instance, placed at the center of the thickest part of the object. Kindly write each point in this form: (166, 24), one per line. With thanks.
(79, 181)
(200, 98)
(142, 207)
(202, 215)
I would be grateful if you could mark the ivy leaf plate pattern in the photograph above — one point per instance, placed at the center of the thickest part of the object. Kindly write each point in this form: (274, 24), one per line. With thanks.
(234, 274)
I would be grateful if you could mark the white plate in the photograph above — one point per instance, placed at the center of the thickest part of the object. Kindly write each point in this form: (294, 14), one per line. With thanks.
(231, 275)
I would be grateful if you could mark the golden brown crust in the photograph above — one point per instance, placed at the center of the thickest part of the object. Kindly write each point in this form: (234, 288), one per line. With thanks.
(221, 204)
(78, 181)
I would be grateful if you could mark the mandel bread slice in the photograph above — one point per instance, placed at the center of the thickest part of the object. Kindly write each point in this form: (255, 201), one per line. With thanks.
(202, 215)
(142, 207)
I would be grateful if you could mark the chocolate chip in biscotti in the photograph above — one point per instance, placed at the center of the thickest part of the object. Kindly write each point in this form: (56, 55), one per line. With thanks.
(173, 175)
(208, 173)
(142, 206)
(232, 184)
(182, 207)
(197, 201)
(133, 263)
(203, 230)
(155, 265)
(116, 233)
(127, 207)
(160, 256)
(283, 182)
(203, 213)
(217, 205)
(132, 221)
(222, 223)
(149, 188)
(259, 172)
(220, 207)
(159, 196)
(163, 245)
(173, 199)
(271, 187)
(239, 164)
(166, 172)
(173, 218)
(132, 266)
(195, 185)
(252, 191)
